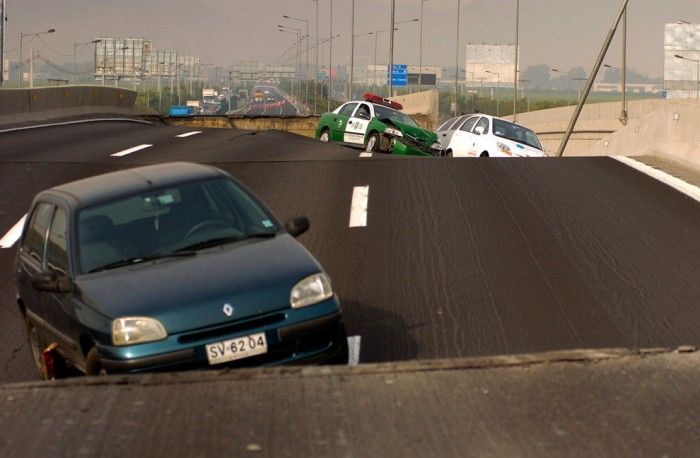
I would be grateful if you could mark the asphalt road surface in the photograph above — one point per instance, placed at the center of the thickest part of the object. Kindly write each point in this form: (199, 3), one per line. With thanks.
(274, 103)
(458, 257)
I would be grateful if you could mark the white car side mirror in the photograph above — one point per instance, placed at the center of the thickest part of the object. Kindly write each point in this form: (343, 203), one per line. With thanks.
(479, 130)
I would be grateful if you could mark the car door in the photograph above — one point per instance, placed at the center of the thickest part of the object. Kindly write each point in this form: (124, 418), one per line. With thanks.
(462, 141)
(448, 131)
(483, 142)
(30, 257)
(340, 121)
(59, 307)
(357, 124)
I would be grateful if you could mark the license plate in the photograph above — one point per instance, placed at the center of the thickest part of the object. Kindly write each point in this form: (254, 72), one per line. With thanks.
(238, 348)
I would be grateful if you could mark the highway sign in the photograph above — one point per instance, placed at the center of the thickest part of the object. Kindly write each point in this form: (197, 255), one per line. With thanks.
(399, 75)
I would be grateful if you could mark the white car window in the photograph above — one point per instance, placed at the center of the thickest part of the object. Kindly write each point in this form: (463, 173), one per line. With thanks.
(469, 124)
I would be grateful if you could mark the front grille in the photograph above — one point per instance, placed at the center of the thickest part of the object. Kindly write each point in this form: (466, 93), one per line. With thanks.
(233, 328)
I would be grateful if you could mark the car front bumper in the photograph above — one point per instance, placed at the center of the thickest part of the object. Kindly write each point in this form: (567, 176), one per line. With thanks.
(312, 341)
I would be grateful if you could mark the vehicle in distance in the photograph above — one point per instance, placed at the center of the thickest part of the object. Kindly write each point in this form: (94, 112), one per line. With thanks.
(376, 125)
(487, 136)
(170, 266)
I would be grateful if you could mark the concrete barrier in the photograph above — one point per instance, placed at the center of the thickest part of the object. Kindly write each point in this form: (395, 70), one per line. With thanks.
(27, 106)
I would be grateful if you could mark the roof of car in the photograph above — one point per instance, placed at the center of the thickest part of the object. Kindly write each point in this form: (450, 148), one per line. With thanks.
(103, 188)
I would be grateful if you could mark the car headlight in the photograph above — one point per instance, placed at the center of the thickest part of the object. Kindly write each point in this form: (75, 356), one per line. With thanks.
(436, 145)
(393, 132)
(503, 148)
(136, 329)
(311, 290)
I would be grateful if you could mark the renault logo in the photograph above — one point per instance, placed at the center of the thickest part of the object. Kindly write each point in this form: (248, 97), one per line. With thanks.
(228, 309)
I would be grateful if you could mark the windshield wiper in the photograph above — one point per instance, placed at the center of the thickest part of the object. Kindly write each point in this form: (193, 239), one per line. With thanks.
(224, 240)
(138, 260)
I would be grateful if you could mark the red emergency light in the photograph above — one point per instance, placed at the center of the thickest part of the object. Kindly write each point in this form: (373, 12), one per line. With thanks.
(374, 98)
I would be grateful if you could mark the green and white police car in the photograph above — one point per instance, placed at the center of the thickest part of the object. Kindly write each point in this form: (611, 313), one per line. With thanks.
(377, 125)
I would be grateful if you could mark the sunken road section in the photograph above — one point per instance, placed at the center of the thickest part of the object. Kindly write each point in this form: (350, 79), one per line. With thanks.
(461, 258)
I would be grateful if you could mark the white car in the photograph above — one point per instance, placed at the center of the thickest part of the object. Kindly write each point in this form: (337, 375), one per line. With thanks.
(487, 136)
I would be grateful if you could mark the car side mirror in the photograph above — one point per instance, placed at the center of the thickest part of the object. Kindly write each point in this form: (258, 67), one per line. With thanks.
(50, 282)
(297, 226)
(479, 130)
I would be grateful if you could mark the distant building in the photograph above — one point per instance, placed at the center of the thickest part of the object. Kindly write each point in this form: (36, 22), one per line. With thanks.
(633, 88)
(489, 65)
(681, 78)
(251, 71)
(122, 58)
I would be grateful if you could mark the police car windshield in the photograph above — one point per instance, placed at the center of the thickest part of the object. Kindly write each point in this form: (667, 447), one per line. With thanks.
(385, 113)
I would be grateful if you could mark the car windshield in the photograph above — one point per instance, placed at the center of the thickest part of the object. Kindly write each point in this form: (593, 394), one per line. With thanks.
(385, 113)
(172, 221)
(516, 133)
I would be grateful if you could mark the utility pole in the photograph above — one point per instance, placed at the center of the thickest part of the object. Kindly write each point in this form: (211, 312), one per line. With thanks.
(316, 65)
(623, 112)
(352, 49)
(3, 19)
(420, 51)
(391, 49)
(515, 72)
(457, 63)
(230, 88)
(330, 61)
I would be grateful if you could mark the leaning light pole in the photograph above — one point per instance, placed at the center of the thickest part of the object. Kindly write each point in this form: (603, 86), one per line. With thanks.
(589, 84)
(2, 41)
(22, 36)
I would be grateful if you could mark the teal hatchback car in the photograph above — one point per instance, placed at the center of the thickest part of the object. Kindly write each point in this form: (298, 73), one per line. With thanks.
(168, 267)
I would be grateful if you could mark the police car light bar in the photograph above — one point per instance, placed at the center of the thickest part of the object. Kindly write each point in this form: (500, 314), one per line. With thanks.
(374, 98)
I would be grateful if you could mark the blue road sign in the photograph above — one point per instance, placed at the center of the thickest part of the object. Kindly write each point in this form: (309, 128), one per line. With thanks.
(399, 75)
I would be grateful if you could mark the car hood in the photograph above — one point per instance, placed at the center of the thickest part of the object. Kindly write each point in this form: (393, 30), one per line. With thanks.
(520, 149)
(423, 136)
(254, 276)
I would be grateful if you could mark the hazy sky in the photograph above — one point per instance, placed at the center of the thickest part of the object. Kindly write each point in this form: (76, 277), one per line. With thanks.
(560, 33)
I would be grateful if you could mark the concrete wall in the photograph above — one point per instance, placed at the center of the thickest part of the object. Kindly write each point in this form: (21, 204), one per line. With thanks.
(26, 106)
(597, 121)
(423, 106)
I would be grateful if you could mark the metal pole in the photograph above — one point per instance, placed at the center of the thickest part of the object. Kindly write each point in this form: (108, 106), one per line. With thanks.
(623, 112)
(457, 62)
(306, 72)
(316, 69)
(391, 49)
(515, 72)
(374, 67)
(31, 68)
(2, 42)
(589, 84)
(75, 50)
(420, 52)
(352, 50)
(21, 37)
(330, 62)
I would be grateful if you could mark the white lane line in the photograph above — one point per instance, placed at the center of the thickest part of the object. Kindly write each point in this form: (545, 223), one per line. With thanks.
(131, 150)
(189, 134)
(366, 154)
(13, 234)
(81, 121)
(354, 350)
(688, 189)
(358, 206)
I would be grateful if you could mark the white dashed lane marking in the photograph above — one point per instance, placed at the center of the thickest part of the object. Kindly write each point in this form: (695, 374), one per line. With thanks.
(131, 150)
(358, 206)
(366, 154)
(354, 350)
(13, 234)
(189, 134)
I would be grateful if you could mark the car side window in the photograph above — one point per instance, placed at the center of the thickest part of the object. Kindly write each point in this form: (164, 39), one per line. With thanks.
(483, 122)
(347, 109)
(469, 124)
(35, 238)
(57, 248)
(363, 111)
(457, 122)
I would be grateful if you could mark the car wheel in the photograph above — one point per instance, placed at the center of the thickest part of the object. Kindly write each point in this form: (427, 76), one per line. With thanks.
(449, 153)
(325, 136)
(373, 143)
(36, 346)
(341, 357)
(484, 154)
(93, 365)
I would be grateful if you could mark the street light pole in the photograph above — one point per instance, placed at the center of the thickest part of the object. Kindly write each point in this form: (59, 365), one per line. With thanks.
(697, 61)
(306, 71)
(515, 73)
(316, 69)
(568, 91)
(22, 36)
(457, 62)
(330, 61)
(420, 52)
(352, 49)
(498, 87)
(391, 49)
(623, 112)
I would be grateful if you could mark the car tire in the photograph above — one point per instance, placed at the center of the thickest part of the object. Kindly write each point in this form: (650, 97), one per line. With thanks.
(341, 357)
(93, 365)
(484, 154)
(373, 144)
(325, 136)
(36, 348)
(449, 153)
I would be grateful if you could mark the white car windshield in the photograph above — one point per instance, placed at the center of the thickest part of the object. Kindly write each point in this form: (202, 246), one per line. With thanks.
(516, 133)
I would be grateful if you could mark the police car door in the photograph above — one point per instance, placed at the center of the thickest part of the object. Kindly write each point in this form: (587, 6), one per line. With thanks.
(357, 125)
